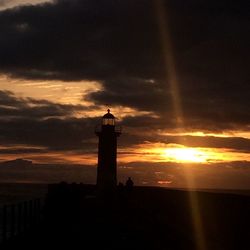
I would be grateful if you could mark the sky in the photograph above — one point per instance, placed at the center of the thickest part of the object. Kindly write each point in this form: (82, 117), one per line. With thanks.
(174, 73)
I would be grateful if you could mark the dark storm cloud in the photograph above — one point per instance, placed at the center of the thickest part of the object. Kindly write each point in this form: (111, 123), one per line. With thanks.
(8, 99)
(12, 107)
(54, 134)
(145, 95)
(27, 121)
(118, 43)
(73, 40)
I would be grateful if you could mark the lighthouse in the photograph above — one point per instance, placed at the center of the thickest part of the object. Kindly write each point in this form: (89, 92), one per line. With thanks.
(107, 153)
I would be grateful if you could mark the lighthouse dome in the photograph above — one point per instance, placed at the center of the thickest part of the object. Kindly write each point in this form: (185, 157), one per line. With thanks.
(108, 115)
(108, 119)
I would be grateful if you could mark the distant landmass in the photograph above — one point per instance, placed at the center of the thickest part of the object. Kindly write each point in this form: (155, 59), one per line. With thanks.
(26, 171)
(169, 175)
(16, 163)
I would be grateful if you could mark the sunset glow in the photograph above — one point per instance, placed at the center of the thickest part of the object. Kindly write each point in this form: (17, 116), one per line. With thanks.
(137, 109)
(175, 103)
(186, 155)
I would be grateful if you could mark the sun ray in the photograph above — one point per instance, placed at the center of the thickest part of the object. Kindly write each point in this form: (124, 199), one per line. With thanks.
(171, 77)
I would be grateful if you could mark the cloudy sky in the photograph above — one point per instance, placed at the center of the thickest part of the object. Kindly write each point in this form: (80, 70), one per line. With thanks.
(175, 74)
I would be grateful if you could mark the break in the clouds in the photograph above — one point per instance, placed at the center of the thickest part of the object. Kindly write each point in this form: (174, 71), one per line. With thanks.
(6, 4)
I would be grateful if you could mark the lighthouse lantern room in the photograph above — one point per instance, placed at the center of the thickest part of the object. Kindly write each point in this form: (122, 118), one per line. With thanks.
(107, 153)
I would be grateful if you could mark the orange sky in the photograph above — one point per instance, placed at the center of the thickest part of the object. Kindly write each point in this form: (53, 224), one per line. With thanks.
(74, 92)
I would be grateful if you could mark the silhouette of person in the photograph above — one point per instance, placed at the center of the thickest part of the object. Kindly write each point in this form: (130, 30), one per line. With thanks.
(129, 184)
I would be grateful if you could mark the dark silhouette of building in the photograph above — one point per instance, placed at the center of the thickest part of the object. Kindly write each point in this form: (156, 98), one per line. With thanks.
(107, 153)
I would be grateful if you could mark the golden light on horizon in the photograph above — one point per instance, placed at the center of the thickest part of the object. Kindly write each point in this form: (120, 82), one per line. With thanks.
(186, 155)
(177, 153)
(181, 154)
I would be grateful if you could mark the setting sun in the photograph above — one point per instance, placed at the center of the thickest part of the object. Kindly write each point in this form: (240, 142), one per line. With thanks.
(185, 155)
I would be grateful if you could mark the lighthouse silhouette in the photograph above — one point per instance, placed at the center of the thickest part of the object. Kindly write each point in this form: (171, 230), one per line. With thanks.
(107, 153)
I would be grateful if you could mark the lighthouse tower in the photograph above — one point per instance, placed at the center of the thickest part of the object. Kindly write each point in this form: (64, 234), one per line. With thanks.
(107, 153)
